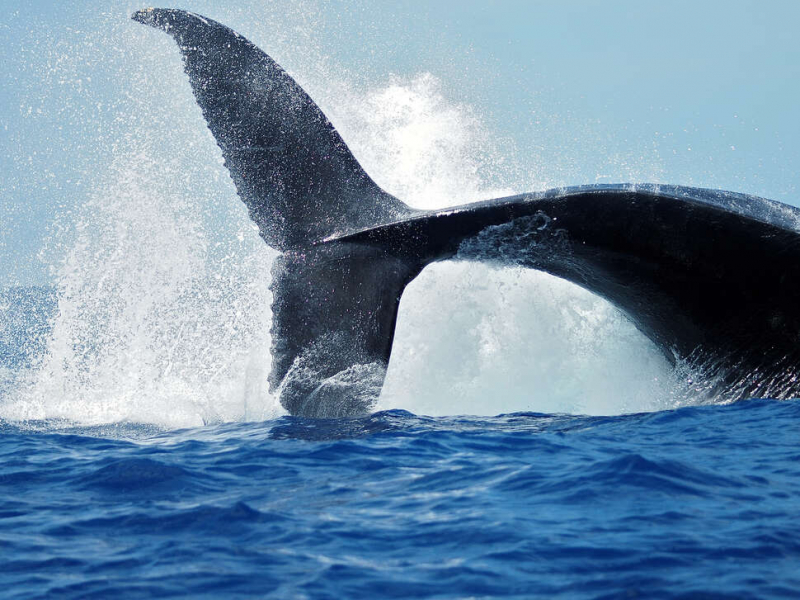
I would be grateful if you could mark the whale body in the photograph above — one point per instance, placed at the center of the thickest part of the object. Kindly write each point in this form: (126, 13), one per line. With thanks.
(712, 277)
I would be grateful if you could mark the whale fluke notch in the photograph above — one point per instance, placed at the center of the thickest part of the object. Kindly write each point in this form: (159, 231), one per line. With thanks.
(712, 277)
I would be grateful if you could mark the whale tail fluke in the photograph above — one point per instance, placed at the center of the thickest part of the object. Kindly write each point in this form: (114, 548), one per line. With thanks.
(334, 304)
(712, 277)
(291, 168)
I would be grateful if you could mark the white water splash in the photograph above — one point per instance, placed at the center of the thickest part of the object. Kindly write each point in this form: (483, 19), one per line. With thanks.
(425, 149)
(164, 302)
(153, 326)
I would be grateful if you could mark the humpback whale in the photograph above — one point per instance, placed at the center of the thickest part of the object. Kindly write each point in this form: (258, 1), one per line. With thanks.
(712, 277)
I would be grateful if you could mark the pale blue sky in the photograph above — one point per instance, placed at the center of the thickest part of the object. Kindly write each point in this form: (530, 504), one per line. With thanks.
(690, 92)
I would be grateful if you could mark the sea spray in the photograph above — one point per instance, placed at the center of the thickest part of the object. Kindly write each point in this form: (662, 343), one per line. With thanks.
(163, 283)
(150, 327)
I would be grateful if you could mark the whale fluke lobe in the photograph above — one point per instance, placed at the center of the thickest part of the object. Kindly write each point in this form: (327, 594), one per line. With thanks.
(291, 168)
(712, 277)
(301, 185)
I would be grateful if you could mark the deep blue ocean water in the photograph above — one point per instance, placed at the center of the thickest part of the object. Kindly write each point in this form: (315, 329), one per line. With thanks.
(697, 502)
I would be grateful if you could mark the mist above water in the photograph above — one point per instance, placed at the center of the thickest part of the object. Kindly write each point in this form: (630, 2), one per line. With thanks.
(164, 302)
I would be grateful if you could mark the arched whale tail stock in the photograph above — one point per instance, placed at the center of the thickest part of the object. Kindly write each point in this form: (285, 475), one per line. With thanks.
(710, 276)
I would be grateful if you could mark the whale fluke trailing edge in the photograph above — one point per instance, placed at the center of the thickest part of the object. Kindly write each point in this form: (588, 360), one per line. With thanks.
(710, 276)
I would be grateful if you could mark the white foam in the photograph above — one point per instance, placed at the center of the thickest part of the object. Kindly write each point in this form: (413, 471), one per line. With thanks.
(475, 339)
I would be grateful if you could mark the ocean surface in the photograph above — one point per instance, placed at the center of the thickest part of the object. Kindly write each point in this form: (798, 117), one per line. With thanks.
(693, 502)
